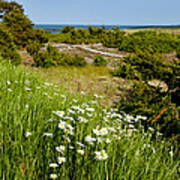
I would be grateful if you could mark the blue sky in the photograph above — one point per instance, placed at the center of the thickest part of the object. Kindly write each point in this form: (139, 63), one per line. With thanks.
(113, 12)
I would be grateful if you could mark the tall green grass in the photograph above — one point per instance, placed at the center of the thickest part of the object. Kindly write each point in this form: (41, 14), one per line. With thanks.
(40, 123)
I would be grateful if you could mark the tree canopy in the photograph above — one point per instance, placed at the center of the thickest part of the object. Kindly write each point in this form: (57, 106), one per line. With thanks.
(19, 25)
(6, 7)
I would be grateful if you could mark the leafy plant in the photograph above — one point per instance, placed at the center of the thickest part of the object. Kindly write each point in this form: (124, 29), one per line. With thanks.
(7, 47)
(100, 61)
(151, 102)
(19, 25)
(143, 65)
(52, 57)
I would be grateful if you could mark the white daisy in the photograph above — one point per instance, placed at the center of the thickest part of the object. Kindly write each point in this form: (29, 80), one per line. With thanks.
(61, 160)
(53, 176)
(80, 151)
(60, 149)
(103, 131)
(53, 165)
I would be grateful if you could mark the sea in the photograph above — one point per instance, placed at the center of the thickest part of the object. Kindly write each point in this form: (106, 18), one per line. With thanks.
(56, 28)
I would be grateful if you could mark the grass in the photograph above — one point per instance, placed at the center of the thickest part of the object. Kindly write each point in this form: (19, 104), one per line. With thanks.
(89, 79)
(42, 123)
(160, 30)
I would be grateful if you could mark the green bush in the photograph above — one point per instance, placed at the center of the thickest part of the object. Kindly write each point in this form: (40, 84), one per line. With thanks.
(78, 60)
(115, 38)
(143, 40)
(100, 61)
(144, 65)
(67, 29)
(159, 103)
(143, 99)
(7, 47)
(91, 35)
(52, 57)
(33, 48)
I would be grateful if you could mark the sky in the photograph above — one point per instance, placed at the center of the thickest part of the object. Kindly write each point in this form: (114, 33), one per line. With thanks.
(107, 12)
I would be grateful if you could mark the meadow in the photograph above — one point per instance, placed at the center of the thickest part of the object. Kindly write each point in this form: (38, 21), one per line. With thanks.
(70, 113)
(48, 133)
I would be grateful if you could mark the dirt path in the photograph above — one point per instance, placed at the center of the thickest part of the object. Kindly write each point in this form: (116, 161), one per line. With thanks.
(90, 50)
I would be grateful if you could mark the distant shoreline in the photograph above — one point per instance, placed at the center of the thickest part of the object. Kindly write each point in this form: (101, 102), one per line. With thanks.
(57, 28)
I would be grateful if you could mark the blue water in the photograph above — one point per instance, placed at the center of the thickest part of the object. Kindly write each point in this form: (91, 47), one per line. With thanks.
(55, 28)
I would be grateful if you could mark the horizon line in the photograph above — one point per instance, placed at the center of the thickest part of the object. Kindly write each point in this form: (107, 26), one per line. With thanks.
(107, 24)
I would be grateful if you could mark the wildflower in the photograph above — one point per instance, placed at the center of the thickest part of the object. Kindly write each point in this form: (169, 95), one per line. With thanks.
(48, 134)
(10, 90)
(153, 149)
(53, 165)
(103, 131)
(83, 120)
(8, 82)
(69, 118)
(80, 151)
(159, 134)
(81, 111)
(75, 101)
(50, 120)
(96, 96)
(129, 118)
(107, 140)
(53, 176)
(98, 155)
(89, 139)
(62, 125)
(104, 154)
(69, 131)
(63, 96)
(47, 84)
(140, 117)
(26, 106)
(60, 149)
(93, 102)
(101, 155)
(147, 145)
(28, 89)
(171, 153)
(80, 144)
(61, 160)
(131, 126)
(144, 118)
(75, 107)
(38, 87)
(71, 111)
(96, 132)
(83, 93)
(70, 127)
(90, 109)
(59, 113)
(151, 129)
(84, 105)
(111, 129)
(89, 115)
(67, 138)
(28, 134)
(71, 147)
(100, 140)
